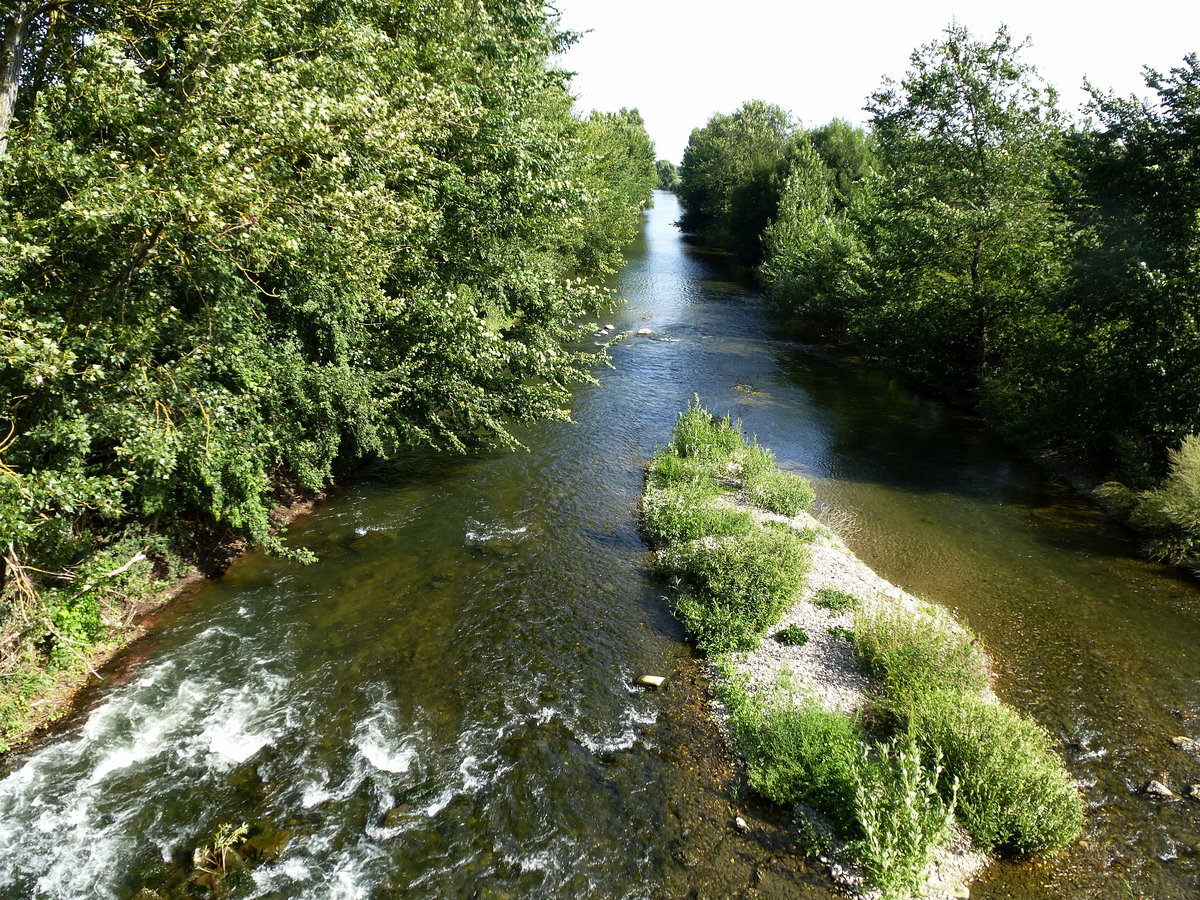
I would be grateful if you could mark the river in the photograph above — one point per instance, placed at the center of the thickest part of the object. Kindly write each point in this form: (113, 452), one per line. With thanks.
(442, 706)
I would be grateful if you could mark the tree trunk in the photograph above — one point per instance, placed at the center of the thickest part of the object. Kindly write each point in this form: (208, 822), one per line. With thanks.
(12, 59)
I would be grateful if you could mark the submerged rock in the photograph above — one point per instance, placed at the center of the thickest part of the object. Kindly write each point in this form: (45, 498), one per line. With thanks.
(1158, 790)
(1186, 743)
(1194, 792)
(650, 681)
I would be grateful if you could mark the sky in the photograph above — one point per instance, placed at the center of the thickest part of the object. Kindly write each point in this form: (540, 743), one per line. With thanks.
(681, 61)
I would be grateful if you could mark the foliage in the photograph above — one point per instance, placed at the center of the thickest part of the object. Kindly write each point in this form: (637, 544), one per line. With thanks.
(253, 242)
(792, 636)
(796, 754)
(962, 238)
(779, 492)
(900, 815)
(668, 175)
(1014, 796)
(685, 512)
(729, 178)
(834, 600)
(738, 588)
(1171, 511)
(914, 653)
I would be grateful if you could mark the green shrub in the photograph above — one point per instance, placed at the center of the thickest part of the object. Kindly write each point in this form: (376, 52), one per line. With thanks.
(1171, 512)
(797, 754)
(834, 600)
(699, 434)
(914, 653)
(740, 587)
(778, 492)
(685, 512)
(900, 815)
(1015, 798)
(792, 636)
(669, 469)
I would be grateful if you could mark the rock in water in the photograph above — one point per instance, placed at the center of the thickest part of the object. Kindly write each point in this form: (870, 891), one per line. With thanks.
(1186, 743)
(1159, 791)
(650, 681)
(645, 331)
(741, 825)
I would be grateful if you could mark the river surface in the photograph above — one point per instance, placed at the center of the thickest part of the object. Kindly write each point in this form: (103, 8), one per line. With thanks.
(442, 706)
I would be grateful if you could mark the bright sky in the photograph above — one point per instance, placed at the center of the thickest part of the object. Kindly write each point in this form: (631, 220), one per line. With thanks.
(681, 61)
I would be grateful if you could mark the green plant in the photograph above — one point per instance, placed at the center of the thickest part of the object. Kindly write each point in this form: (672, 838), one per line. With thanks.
(685, 512)
(796, 754)
(699, 434)
(738, 588)
(792, 635)
(778, 492)
(840, 632)
(1171, 511)
(1015, 796)
(916, 652)
(215, 861)
(834, 600)
(900, 815)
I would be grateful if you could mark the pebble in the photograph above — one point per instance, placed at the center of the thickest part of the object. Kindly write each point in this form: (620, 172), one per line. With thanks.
(1186, 743)
(1159, 791)
(741, 825)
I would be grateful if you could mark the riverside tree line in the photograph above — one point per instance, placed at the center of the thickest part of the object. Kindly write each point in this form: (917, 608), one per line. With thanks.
(973, 236)
(245, 243)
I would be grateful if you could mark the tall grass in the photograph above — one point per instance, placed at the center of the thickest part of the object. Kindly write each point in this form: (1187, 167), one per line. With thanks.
(686, 512)
(914, 653)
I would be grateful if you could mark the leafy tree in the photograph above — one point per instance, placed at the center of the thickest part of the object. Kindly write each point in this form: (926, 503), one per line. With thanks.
(1132, 388)
(246, 242)
(964, 240)
(730, 178)
(668, 175)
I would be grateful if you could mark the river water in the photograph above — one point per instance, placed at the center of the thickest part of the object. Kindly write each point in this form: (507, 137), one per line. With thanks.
(442, 706)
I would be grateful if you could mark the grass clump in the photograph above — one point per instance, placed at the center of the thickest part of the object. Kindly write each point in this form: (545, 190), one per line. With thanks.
(685, 512)
(797, 754)
(778, 492)
(915, 653)
(792, 636)
(900, 815)
(1015, 797)
(699, 434)
(834, 600)
(736, 589)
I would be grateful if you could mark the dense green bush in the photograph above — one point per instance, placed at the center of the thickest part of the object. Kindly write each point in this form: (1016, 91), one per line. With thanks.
(792, 636)
(686, 512)
(1171, 512)
(779, 492)
(797, 754)
(1014, 795)
(738, 588)
(914, 653)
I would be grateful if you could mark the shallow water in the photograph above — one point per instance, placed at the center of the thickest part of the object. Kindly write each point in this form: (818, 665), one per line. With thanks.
(442, 707)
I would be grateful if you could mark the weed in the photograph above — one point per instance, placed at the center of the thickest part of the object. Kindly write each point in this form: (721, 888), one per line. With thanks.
(841, 633)
(914, 653)
(1016, 798)
(901, 816)
(834, 600)
(699, 434)
(792, 636)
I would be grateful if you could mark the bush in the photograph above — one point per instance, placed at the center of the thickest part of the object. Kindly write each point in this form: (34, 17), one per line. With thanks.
(834, 600)
(1015, 798)
(914, 653)
(778, 492)
(797, 754)
(1171, 512)
(685, 512)
(792, 636)
(740, 587)
(699, 434)
(900, 815)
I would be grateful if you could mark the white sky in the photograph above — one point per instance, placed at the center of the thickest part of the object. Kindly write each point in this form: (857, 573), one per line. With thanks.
(681, 61)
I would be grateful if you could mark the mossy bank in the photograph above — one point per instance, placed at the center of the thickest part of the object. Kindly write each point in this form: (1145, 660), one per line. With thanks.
(865, 708)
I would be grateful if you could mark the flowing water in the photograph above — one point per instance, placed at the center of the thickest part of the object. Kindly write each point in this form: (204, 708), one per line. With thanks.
(442, 706)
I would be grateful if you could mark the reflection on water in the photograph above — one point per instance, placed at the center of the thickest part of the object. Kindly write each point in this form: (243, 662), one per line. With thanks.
(442, 707)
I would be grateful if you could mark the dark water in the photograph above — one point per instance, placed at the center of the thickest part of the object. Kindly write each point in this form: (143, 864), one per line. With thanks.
(442, 706)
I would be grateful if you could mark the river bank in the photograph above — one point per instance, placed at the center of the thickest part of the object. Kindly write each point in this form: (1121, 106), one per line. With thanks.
(34, 694)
